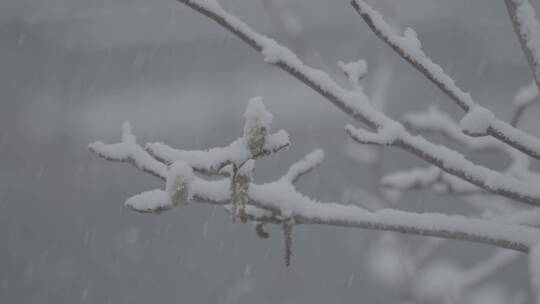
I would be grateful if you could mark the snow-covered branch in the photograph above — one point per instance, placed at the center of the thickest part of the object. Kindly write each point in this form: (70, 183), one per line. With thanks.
(527, 29)
(280, 202)
(525, 97)
(358, 106)
(256, 142)
(128, 151)
(224, 176)
(455, 164)
(478, 121)
(303, 167)
(428, 178)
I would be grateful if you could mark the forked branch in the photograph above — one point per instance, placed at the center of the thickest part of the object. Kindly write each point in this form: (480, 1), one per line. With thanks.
(410, 49)
(279, 202)
(357, 105)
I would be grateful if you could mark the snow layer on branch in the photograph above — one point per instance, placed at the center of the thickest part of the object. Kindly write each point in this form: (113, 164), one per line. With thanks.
(477, 120)
(386, 135)
(283, 197)
(529, 30)
(215, 158)
(434, 120)
(250, 210)
(204, 159)
(256, 141)
(217, 191)
(355, 102)
(150, 201)
(277, 141)
(409, 47)
(302, 167)
(129, 150)
(526, 95)
(412, 47)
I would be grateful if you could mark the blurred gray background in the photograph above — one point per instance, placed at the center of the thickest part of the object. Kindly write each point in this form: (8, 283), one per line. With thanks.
(71, 71)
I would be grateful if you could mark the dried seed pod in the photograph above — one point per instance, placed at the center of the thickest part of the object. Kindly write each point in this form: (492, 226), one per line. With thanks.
(287, 228)
(259, 228)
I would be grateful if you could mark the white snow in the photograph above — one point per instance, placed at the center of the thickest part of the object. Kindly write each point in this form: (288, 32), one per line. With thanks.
(358, 105)
(178, 183)
(529, 28)
(256, 114)
(386, 135)
(303, 166)
(150, 201)
(477, 120)
(282, 199)
(412, 48)
(277, 140)
(129, 150)
(354, 71)
(256, 141)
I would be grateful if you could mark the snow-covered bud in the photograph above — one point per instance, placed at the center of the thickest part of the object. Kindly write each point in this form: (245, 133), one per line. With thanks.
(179, 181)
(257, 125)
(355, 71)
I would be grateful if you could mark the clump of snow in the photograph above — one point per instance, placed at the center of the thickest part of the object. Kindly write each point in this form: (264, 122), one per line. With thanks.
(477, 120)
(178, 184)
(410, 41)
(354, 71)
(256, 112)
(257, 125)
(153, 201)
(277, 140)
